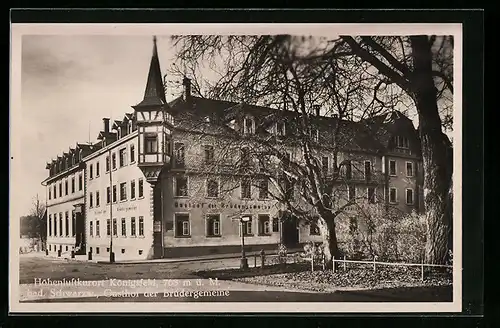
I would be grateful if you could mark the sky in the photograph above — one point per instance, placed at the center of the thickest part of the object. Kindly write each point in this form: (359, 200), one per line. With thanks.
(68, 84)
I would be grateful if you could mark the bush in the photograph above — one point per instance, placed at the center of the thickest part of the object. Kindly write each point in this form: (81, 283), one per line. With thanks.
(390, 235)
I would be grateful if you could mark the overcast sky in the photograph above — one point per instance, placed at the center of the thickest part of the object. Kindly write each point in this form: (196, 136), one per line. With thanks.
(69, 83)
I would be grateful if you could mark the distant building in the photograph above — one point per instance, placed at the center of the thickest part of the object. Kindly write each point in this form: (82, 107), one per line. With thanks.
(149, 188)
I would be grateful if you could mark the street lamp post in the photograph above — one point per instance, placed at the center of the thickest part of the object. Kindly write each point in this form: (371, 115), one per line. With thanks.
(111, 223)
(244, 260)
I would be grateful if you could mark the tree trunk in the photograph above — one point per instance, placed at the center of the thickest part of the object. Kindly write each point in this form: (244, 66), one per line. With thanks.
(329, 237)
(436, 154)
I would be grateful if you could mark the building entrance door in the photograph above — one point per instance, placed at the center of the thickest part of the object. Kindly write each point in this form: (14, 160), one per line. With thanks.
(290, 231)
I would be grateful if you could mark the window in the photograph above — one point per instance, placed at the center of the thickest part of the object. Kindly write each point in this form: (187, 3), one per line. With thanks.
(72, 185)
(108, 227)
(50, 193)
(97, 169)
(409, 169)
(401, 142)
(97, 250)
(348, 170)
(181, 186)
(55, 224)
(123, 191)
(108, 195)
(132, 153)
(91, 200)
(276, 225)
(247, 228)
(248, 126)
(114, 194)
(73, 223)
(179, 153)
(213, 225)
(351, 193)
(60, 189)
(209, 154)
(50, 224)
(55, 193)
(280, 128)
(263, 189)
(97, 199)
(371, 195)
(151, 144)
(393, 195)
(123, 157)
(368, 170)
(246, 191)
(246, 161)
(182, 226)
(313, 227)
(97, 228)
(264, 225)
(124, 227)
(315, 135)
(80, 182)
(91, 229)
(107, 163)
(66, 223)
(66, 188)
(132, 226)
(91, 171)
(392, 168)
(115, 228)
(132, 189)
(409, 196)
(113, 161)
(141, 188)
(324, 165)
(212, 188)
(60, 224)
(141, 226)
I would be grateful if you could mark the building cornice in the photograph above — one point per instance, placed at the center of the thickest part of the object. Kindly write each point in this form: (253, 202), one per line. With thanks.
(111, 146)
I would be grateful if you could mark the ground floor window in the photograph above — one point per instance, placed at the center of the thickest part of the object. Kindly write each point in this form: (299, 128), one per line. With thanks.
(213, 225)
(264, 224)
(182, 225)
(97, 250)
(313, 227)
(276, 225)
(246, 227)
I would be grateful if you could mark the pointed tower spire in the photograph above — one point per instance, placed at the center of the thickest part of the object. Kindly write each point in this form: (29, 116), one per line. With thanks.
(154, 94)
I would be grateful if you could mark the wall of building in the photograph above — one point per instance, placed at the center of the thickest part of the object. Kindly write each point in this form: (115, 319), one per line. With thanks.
(132, 207)
(401, 181)
(61, 204)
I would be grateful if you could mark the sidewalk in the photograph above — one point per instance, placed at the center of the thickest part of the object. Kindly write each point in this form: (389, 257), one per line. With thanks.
(249, 255)
(105, 259)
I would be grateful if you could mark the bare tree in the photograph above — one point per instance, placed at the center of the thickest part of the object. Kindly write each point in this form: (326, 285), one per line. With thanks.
(422, 67)
(314, 101)
(34, 225)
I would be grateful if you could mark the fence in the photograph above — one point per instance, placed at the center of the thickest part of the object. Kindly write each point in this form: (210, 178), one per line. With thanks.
(298, 258)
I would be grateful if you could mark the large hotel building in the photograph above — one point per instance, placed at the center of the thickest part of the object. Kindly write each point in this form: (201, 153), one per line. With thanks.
(151, 186)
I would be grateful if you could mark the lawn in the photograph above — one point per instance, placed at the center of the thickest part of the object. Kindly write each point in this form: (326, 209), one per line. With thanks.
(357, 277)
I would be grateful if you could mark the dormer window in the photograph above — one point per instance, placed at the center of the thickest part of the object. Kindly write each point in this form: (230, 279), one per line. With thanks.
(232, 124)
(248, 125)
(401, 142)
(206, 119)
(280, 128)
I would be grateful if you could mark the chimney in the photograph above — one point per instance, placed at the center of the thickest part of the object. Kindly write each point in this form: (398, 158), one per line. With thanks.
(186, 82)
(105, 121)
(317, 109)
